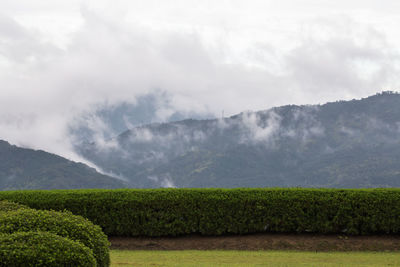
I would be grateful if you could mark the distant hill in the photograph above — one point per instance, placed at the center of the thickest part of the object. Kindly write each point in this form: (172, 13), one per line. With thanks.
(348, 144)
(22, 168)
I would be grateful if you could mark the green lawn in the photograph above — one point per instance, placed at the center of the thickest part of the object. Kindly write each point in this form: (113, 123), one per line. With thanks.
(252, 258)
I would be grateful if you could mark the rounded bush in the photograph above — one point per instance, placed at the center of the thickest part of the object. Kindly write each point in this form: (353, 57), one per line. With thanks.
(64, 224)
(6, 205)
(43, 249)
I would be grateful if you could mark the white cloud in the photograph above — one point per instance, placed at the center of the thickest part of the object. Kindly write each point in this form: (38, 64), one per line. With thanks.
(208, 57)
(259, 130)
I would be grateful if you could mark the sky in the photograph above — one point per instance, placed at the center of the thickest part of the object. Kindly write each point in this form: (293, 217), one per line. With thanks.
(60, 59)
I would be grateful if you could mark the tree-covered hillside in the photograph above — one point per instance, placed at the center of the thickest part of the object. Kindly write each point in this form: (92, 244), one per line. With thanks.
(22, 168)
(349, 144)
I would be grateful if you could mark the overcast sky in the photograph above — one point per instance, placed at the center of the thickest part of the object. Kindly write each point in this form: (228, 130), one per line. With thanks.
(59, 58)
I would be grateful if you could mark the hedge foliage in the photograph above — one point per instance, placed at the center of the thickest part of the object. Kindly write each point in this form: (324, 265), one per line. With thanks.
(43, 249)
(64, 224)
(170, 212)
(9, 206)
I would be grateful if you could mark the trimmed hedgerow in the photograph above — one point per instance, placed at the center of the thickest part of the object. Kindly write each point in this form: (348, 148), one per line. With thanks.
(9, 206)
(170, 212)
(64, 224)
(43, 249)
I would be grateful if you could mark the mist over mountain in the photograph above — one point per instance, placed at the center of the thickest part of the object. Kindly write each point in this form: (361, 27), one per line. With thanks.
(106, 121)
(22, 168)
(349, 144)
(136, 89)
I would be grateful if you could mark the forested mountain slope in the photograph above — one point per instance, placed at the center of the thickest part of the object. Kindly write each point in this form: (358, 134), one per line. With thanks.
(348, 144)
(22, 168)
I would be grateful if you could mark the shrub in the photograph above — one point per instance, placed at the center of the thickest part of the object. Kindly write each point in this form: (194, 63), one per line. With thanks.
(43, 249)
(9, 206)
(170, 212)
(64, 224)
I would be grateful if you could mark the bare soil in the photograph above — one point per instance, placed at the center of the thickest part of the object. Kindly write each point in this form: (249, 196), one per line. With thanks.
(304, 242)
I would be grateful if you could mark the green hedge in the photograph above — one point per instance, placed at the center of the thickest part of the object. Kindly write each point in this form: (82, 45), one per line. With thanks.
(170, 212)
(9, 206)
(63, 224)
(43, 249)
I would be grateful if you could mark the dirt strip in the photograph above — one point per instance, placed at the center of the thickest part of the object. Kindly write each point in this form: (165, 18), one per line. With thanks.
(306, 242)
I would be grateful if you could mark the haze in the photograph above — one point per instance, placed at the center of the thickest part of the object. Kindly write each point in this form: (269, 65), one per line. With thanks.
(60, 60)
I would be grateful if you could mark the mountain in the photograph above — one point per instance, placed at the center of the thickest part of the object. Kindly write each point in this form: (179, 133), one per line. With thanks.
(345, 144)
(22, 168)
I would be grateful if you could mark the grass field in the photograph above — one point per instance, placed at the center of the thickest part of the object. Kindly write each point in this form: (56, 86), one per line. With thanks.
(252, 258)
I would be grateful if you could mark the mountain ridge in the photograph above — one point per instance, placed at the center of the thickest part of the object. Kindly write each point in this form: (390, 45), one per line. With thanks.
(329, 145)
(23, 168)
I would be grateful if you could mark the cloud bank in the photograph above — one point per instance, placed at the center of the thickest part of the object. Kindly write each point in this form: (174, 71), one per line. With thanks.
(206, 58)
